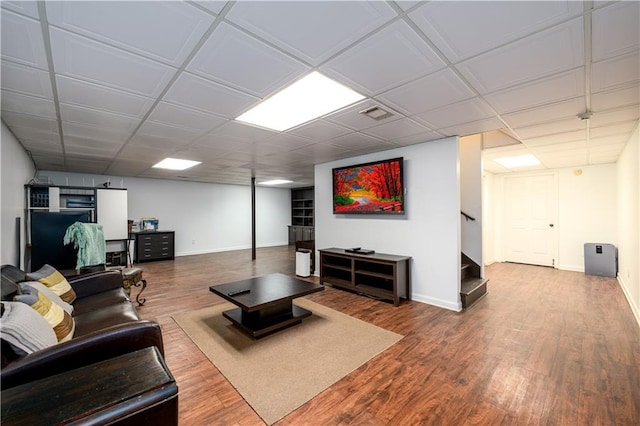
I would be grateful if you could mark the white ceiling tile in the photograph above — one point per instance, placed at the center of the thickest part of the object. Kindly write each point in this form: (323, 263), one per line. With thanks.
(320, 130)
(22, 40)
(196, 92)
(540, 55)
(21, 120)
(396, 129)
(286, 141)
(180, 135)
(350, 117)
(615, 98)
(572, 136)
(463, 29)
(615, 29)
(472, 128)
(430, 92)
(77, 92)
(159, 143)
(296, 26)
(184, 117)
(458, 113)
(415, 139)
(214, 6)
(552, 89)
(24, 104)
(29, 8)
(558, 147)
(615, 116)
(109, 135)
(355, 140)
(235, 59)
(77, 114)
(560, 126)
(562, 159)
(608, 142)
(137, 26)
(407, 4)
(27, 80)
(624, 128)
(544, 113)
(79, 57)
(40, 135)
(385, 60)
(234, 131)
(614, 72)
(50, 149)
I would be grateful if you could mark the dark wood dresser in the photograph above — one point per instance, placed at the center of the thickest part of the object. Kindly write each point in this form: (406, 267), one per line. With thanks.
(154, 245)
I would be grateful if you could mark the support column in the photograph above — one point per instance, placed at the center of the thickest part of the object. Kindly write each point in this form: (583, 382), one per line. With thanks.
(253, 218)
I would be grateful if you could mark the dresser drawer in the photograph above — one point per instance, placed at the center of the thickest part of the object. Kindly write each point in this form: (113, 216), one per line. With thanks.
(157, 245)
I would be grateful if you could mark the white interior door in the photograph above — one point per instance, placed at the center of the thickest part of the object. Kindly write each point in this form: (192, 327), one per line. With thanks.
(530, 219)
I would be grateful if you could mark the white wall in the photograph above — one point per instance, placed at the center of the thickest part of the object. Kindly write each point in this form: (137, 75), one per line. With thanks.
(628, 179)
(471, 198)
(488, 222)
(17, 170)
(429, 231)
(205, 217)
(587, 212)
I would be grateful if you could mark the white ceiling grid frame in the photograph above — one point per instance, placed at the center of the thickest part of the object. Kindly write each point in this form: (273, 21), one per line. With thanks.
(433, 91)
(238, 60)
(26, 80)
(101, 98)
(139, 27)
(84, 59)
(293, 26)
(367, 66)
(543, 54)
(26, 45)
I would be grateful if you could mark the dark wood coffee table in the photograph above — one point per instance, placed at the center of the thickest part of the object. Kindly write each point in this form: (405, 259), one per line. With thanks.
(267, 306)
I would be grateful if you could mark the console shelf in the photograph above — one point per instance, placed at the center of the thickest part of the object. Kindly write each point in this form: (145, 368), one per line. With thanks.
(380, 275)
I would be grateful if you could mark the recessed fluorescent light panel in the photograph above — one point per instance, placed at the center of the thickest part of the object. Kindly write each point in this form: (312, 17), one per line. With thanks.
(176, 164)
(310, 97)
(518, 161)
(275, 182)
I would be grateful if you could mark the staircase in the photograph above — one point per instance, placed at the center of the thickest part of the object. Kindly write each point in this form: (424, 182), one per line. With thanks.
(472, 286)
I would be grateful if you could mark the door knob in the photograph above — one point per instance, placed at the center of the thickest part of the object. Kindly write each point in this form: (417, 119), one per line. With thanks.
(551, 225)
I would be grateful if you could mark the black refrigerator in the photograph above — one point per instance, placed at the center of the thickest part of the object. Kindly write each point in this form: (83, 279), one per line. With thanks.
(47, 234)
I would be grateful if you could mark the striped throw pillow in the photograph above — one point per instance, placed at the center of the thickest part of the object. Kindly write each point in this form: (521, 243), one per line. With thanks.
(49, 276)
(24, 329)
(60, 321)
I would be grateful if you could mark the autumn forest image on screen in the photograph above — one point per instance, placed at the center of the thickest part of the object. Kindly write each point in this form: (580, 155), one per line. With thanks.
(369, 188)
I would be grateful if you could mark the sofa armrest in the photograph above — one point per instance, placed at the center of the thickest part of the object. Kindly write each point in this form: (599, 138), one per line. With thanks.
(86, 285)
(81, 351)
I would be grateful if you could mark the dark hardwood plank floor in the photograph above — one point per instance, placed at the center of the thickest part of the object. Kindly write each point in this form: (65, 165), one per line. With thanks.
(544, 347)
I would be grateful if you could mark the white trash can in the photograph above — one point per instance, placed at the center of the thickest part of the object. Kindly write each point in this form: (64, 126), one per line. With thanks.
(303, 262)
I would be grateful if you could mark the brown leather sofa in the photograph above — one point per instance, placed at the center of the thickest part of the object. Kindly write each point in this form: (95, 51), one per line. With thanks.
(107, 327)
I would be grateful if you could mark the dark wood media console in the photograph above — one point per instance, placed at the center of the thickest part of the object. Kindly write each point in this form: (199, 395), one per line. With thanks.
(380, 275)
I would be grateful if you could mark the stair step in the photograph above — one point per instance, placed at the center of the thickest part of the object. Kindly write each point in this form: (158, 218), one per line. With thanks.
(472, 289)
(471, 284)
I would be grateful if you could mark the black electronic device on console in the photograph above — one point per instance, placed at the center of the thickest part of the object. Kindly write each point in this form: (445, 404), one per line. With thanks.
(359, 250)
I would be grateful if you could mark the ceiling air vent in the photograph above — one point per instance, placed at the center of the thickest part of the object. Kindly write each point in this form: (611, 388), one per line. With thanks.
(376, 113)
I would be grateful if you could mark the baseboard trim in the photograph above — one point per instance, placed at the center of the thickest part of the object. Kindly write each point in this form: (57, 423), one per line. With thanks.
(445, 304)
(223, 249)
(635, 309)
(571, 268)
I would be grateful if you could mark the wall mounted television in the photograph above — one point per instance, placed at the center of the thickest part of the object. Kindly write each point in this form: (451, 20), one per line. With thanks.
(369, 188)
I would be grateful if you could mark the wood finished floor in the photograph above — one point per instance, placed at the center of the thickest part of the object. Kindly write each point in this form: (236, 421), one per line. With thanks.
(543, 347)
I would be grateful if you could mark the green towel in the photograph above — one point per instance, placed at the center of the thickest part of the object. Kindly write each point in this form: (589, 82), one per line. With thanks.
(88, 238)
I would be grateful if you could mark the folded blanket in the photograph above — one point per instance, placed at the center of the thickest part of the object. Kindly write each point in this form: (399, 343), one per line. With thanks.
(88, 238)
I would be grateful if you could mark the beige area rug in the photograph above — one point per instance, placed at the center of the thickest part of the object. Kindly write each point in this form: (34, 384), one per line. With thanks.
(280, 372)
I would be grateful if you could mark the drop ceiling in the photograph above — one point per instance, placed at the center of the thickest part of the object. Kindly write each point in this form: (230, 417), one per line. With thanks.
(114, 87)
